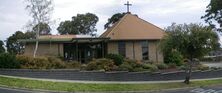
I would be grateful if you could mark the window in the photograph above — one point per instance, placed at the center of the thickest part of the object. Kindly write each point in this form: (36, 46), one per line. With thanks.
(122, 48)
(145, 50)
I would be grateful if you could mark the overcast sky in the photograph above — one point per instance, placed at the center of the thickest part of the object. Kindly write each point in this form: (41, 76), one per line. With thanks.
(162, 13)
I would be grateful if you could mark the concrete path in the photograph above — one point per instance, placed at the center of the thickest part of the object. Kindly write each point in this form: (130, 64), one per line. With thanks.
(213, 64)
(106, 82)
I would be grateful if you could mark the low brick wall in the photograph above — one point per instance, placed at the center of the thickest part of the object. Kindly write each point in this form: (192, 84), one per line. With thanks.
(107, 76)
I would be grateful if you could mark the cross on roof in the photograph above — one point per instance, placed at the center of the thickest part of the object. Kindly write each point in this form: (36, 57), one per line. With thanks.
(128, 4)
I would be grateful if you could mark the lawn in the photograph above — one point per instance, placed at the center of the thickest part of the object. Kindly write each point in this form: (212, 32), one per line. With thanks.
(64, 86)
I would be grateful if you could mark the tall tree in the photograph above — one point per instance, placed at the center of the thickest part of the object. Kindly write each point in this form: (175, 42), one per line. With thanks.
(44, 29)
(40, 10)
(214, 14)
(12, 44)
(80, 24)
(2, 49)
(116, 17)
(191, 40)
(15, 47)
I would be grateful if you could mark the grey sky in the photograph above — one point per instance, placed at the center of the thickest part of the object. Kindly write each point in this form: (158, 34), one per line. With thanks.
(162, 13)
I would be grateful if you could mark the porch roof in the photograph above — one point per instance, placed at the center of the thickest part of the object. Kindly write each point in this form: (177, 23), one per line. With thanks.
(64, 40)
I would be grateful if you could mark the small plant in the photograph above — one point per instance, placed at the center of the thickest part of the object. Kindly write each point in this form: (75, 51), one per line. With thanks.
(151, 67)
(161, 66)
(117, 59)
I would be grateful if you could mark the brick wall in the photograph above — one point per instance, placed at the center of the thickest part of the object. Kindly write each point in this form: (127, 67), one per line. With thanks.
(44, 49)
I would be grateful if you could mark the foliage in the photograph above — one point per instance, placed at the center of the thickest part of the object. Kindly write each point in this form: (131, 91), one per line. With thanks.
(118, 59)
(44, 28)
(214, 14)
(73, 64)
(115, 18)
(12, 44)
(191, 40)
(8, 61)
(135, 66)
(173, 57)
(151, 67)
(56, 63)
(80, 24)
(161, 66)
(172, 65)
(2, 49)
(15, 47)
(101, 64)
(27, 62)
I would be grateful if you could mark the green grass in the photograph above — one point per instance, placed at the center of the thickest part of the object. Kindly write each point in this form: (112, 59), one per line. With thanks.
(64, 86)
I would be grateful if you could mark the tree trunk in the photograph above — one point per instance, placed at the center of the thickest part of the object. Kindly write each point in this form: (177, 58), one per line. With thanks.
(188, 72)
(37, 42)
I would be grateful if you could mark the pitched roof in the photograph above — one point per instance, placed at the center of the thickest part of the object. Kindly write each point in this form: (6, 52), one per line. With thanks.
(131, 27)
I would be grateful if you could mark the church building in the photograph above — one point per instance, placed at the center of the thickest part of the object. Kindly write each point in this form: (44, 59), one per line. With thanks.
(131, 37)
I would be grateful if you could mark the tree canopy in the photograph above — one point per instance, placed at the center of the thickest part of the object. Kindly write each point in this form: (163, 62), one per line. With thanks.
(44, 29)
(80, 24)
(116, 17)
(2, 49)
(214, 14)
(15, 47)
(191, 40)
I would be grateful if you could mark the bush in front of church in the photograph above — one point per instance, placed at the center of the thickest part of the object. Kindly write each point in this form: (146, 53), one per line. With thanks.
(117, 59)
(101, 64)
(28, 62)
(8, 61)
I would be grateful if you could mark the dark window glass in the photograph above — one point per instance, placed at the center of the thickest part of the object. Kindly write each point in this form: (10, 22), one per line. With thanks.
(122, 48)
(145, 50)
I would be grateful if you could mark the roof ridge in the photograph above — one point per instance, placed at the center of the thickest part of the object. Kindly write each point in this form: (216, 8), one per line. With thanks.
(118, 23)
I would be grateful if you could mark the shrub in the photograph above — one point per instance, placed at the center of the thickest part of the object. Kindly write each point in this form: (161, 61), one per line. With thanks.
(8, 61)
(172, 65)
(73, 64)
(28, 62)
(173, 57)
(101, 64)
(56, 63)
(161, 66)
(151, 67)
(203, 67)
(125, 67)
(117, 59)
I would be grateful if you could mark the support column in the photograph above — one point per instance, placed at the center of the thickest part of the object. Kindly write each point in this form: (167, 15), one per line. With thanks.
(77, 54)
(103, 49)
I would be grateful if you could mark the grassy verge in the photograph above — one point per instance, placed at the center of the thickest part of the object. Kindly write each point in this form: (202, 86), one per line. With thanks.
(64, 86)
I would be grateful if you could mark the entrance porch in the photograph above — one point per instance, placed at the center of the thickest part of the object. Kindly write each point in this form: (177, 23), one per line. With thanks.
(85, 49)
